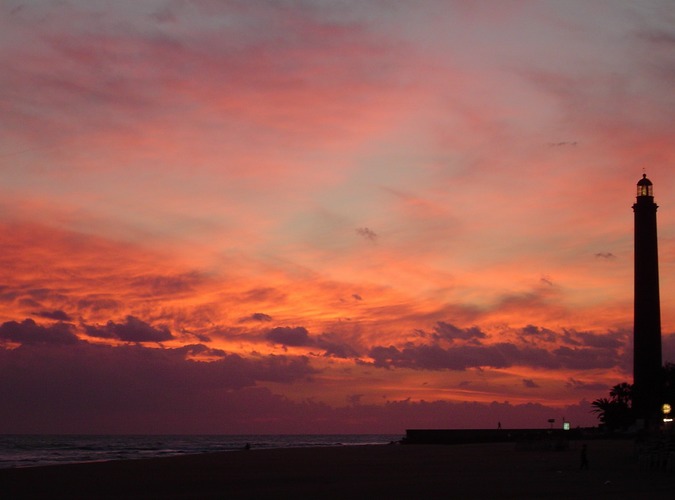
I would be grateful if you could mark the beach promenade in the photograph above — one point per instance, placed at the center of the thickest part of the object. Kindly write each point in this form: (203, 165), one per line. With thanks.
(497, 470)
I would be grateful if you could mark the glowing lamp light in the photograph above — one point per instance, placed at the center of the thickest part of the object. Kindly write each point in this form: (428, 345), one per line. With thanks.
(666, 409)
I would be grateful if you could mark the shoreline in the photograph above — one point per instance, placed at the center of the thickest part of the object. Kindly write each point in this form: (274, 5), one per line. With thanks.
(38, 450)
(495, 470)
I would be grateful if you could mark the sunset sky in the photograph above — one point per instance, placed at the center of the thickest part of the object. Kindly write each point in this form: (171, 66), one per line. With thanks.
(326, 215)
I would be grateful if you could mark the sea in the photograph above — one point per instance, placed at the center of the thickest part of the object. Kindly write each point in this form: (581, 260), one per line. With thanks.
(39, 450)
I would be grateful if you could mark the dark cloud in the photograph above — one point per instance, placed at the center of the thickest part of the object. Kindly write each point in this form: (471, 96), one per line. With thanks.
(28, 332)
(99, 303)
(609, 340)
(132, 330)
(447, 331)
(498, 355)
(135, 389)
(280, 369)
(586, 358)
(529, 383)
(57, 315)
(356, 296)
(83, 387)
(586, 386)
(259, 317)
(433, 357)
(28, 303)
(199, 350)
(535, 333)
(568, 337)
(335, 347)
(366, 233)
(200, 336)
(290, 336)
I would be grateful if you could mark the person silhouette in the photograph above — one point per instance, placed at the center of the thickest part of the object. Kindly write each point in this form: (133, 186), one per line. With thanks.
(584, 457)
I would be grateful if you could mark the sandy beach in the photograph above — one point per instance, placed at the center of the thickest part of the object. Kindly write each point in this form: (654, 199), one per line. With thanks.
(386, 471)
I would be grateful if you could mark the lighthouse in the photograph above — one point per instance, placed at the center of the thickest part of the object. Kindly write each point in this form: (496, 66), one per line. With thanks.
(647, 311)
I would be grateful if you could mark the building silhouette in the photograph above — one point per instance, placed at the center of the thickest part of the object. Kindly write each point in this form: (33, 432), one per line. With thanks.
(647, 311)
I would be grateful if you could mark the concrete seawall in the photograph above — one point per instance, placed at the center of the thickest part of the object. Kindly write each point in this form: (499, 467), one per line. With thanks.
(460, 436)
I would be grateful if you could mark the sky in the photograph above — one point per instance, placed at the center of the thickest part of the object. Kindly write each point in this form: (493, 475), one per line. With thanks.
(309, 216)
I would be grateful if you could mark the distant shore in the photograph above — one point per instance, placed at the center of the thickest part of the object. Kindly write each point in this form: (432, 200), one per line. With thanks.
(485, 470)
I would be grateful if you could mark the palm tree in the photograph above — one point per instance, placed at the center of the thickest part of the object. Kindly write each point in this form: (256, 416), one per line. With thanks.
(601, 406)
(616, 412)
(622, 393)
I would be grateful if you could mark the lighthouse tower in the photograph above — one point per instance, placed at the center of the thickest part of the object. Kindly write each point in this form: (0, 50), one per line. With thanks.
(647, 310)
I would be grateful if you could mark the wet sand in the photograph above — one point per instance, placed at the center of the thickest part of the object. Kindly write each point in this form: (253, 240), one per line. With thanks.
(387, 471)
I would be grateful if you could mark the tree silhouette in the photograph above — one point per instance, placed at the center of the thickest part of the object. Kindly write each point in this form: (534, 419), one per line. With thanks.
(616, 412)
(669, 383)
(622, 393)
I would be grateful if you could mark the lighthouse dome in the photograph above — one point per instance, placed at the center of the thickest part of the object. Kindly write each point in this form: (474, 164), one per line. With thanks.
(645, 187)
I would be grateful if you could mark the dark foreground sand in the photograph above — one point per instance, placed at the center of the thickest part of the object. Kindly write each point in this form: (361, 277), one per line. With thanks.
(387, 471)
